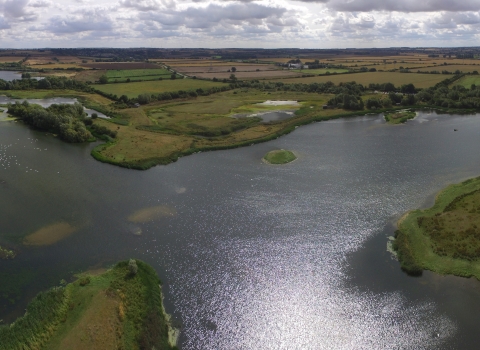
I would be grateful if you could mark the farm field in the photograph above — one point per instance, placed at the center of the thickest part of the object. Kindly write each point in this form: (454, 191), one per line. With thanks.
(225, 69)
(89, 75)
(453, 68)
(137, 74)
(121, 65)
(155, 87)
(7, 59)
(468, 81)
(250, 75)
(419, 80)
(320, 71)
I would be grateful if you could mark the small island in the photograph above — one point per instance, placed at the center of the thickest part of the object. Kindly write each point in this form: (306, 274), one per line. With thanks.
(279, 157)
(444, 238)
(120, 308)
(399, 117)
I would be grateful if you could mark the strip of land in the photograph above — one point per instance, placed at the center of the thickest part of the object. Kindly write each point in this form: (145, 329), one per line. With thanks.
(446, 237)
(121, 308)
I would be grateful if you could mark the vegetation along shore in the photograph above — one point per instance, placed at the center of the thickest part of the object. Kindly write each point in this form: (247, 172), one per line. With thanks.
(121, 308)
(444, 238)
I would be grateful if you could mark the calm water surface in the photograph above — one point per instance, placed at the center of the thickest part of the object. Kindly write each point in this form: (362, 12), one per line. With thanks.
(256, 256)
(12, 75)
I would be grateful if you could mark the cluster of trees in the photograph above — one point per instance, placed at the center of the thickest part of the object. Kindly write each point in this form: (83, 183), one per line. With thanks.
(64, 120)
(455, 97)
(45, 84)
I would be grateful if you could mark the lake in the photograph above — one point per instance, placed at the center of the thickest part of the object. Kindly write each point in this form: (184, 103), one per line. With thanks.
(252, 255)
(8, 75)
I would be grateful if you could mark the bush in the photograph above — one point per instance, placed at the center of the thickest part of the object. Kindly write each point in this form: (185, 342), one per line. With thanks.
(132, 267)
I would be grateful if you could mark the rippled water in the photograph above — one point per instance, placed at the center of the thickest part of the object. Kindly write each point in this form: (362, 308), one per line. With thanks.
(257, 256)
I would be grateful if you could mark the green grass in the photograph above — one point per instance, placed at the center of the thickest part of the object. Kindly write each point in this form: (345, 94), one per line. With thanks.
(155, 87)
(468, 80)
(399, 117)
(280, 157)
(138, 75)
(444, 238)
(398, 79)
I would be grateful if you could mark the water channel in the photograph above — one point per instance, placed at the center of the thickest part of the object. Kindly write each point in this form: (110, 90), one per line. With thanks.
(252, 255)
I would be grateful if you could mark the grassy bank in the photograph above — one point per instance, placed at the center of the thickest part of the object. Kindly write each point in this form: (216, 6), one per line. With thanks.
(117, 309)
(279, 157)
(446, 237)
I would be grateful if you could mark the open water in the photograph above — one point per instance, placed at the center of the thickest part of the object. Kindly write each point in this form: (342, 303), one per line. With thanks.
(252, 255)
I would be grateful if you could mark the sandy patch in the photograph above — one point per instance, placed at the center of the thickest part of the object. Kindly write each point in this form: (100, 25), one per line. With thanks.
(50, 234)
(152, 214)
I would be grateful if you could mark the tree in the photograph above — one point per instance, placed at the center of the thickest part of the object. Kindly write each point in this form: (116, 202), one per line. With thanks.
(132, 267)
(233, 69)
(173, 76)
(233, 77)
(103, 79)
(94, 115)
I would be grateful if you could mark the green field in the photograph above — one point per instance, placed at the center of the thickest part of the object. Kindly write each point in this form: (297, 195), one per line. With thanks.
(398, 79)
(137, 74)
(467, 81)
(446, 237)
(154, 87)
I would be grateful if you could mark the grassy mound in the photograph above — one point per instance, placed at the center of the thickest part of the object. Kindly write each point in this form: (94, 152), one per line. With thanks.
(279, 157)
(399, 117)
(446, 237)
(119, 309)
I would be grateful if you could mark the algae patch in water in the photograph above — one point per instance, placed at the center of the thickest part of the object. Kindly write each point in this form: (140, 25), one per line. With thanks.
(152, 214)
(50, 234)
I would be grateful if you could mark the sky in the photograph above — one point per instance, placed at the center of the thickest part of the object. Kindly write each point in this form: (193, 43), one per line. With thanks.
(239, 23)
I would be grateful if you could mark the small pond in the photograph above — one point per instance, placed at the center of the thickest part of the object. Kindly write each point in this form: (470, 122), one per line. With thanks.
(8, 75)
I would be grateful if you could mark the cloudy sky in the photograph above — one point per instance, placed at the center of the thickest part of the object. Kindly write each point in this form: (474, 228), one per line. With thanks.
(239, 23)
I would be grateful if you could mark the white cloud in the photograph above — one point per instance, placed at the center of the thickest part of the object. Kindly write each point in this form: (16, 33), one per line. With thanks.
(222, 23)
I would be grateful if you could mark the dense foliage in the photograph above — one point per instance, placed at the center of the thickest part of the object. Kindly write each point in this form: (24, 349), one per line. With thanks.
(34, 329)
(65, 120)
(46, 84)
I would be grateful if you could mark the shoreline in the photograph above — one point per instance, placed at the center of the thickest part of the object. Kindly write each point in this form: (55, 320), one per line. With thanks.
(441, 238)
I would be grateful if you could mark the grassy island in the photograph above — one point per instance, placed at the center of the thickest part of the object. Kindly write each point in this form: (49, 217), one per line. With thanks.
(399, 117)
(446, 237)
(121, 308)
(279, 157)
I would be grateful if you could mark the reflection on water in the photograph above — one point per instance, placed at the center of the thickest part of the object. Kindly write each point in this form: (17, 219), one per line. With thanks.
(47, 102)
(289, 257)
(270, 116)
